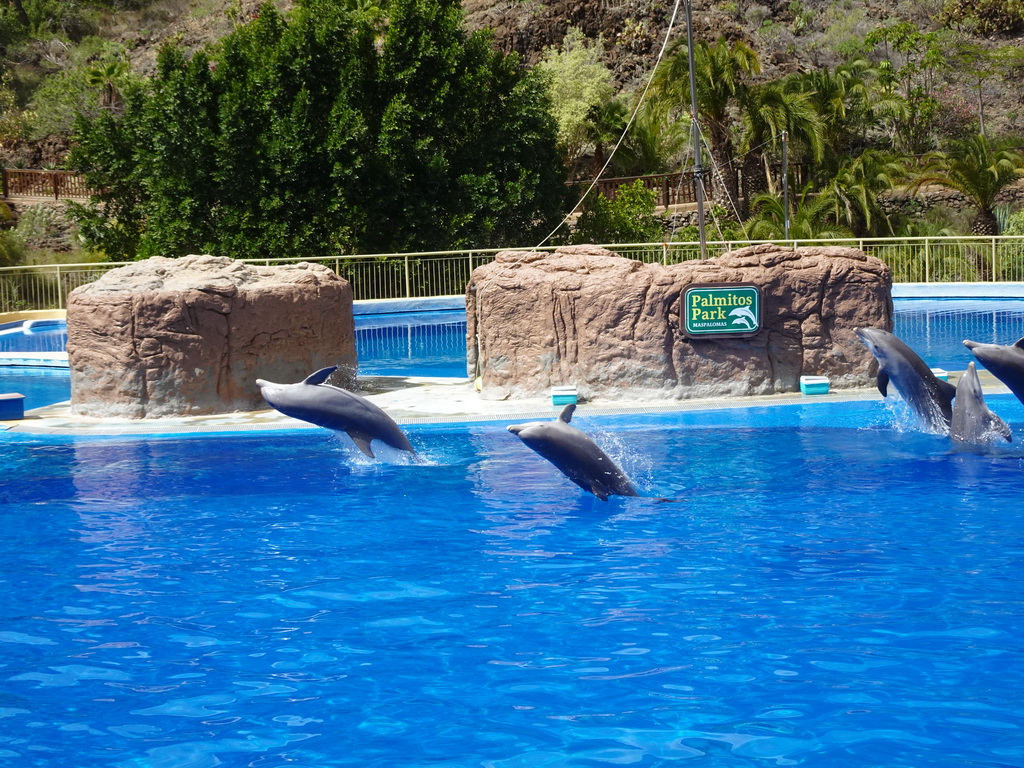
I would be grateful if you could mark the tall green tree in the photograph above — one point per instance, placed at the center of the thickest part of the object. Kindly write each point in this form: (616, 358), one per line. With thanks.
(655, 143)
(581, 85)
(326, 132)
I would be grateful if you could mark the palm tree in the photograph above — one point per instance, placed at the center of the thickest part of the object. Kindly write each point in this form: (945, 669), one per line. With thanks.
(772, 109)
(604, 128)
(106, 77)
(720, 71)
(852, 194)
(654, 144)
(811, 220)
(851, 100)
(979, 169)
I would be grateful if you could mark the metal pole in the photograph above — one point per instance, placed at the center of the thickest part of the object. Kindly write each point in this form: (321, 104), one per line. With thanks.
(698, 170)
(927, 260)
(785, 186)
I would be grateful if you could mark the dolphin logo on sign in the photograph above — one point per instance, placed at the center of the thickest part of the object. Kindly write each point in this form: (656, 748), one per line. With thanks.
(743, 317)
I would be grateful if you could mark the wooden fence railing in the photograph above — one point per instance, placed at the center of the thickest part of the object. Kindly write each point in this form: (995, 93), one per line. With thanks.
(678, 188)
(55, 185)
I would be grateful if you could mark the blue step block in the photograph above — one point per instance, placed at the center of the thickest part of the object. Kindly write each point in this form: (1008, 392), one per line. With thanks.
(12, 406)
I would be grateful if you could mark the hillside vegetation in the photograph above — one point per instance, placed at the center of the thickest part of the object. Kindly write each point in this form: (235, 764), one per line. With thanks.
(870, 97)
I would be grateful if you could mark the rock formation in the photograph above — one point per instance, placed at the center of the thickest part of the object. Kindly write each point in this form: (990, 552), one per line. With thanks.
(189, 336)
(612, 326)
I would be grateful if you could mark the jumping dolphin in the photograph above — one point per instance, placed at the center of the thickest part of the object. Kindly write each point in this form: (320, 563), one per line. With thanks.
(575, 455)
(973, 422)
(930, 398)
(1006, 363)
(335, 408)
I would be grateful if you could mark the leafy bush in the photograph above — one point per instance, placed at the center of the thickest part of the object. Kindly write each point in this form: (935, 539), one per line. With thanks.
(320, 134)
(629, 218)
(989, 17)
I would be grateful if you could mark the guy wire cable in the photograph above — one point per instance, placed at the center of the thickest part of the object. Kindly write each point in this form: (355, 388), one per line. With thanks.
(625, 131)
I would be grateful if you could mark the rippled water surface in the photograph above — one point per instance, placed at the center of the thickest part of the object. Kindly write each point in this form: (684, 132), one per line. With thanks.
(825, 587)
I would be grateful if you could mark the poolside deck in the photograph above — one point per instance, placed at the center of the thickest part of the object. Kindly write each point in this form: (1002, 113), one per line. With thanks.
(417, 401)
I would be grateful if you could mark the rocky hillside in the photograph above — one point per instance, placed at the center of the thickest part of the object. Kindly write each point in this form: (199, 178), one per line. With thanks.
(789, 35)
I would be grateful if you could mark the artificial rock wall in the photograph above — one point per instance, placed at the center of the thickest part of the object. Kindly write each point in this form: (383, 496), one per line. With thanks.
(612, 326)
(189, 336)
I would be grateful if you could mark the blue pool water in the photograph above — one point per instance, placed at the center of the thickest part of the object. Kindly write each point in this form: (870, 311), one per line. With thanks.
(828, 588)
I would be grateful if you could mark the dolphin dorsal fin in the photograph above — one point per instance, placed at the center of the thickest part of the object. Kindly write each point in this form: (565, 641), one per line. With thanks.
(1019, 343)
(320, 376)
(566, 415)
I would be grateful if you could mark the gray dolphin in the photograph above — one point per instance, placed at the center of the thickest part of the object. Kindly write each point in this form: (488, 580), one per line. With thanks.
(335, 408)
(930, 398)
(973, 423)
(1006, 363)
(575, 455)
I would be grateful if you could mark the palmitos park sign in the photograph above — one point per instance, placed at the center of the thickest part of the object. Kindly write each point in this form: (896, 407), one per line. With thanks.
(722, 310)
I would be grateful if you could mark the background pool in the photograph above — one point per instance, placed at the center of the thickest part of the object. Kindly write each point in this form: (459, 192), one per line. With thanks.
(828, 588)
(936, 328)
(433, 343)
(412, 344)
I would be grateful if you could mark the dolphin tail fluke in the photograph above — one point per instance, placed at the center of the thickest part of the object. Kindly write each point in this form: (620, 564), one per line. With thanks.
(1019, 343)
(566, 414)
(362, 442)
(319, 377)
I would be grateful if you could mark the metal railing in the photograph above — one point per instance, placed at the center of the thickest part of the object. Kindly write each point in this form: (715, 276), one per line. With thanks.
(424, 274)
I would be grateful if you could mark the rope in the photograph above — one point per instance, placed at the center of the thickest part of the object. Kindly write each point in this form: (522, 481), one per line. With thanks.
(625, 131)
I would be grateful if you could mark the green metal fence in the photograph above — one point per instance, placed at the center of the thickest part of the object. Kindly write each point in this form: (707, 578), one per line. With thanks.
(417, 275)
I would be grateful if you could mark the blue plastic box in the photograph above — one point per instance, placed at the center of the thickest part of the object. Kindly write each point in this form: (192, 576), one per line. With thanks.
(12, 406)
(563, 395)
(814, 385)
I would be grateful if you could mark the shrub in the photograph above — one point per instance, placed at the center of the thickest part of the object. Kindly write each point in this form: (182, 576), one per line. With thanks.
(629, 218)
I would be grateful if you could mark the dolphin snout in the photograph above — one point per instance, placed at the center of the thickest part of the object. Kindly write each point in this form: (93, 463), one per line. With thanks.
(971, 344)
(515, 429)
